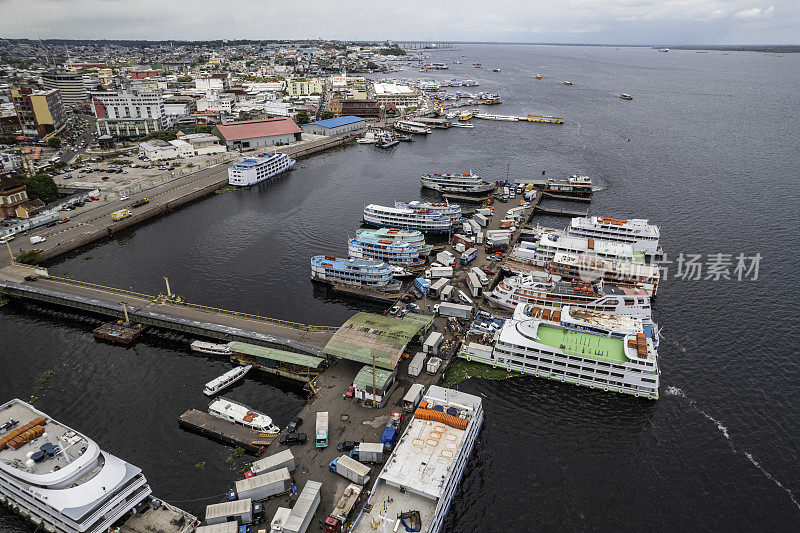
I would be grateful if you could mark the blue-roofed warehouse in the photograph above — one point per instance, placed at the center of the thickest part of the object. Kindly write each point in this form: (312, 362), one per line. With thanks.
(334, 126)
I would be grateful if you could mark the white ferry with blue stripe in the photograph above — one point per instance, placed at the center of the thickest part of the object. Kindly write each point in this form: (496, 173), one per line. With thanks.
(416, 486)
(376, 275)
(413, 237)
(395, 253)
(427, 217)
(254, 170)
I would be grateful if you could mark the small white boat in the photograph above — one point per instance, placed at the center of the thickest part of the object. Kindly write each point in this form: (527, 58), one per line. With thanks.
(210, 347)
(462, 125)
(226, 380)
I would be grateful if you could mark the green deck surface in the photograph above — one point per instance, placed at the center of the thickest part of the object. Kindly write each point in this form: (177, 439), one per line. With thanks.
(583, 344)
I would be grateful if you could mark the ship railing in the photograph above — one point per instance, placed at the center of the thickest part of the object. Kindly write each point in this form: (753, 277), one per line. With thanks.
(216, 310)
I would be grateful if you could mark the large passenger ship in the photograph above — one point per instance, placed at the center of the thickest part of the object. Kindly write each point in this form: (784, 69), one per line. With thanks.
(364, 272)
(575, 185)
(415, 488)
(422, 216)
(598, 296)
(637, 232)
(60, 479)
(254, 170)
(621, 273)
(580, 346)
(550, 243)
(456, 183)
(413, 237)
(395, 253)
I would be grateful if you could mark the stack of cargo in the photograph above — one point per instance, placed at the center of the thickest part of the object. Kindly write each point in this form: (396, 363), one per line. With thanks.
(17, 438)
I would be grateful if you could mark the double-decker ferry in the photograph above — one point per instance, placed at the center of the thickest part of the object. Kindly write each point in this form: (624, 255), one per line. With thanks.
(395, 253)
(456, 183)
(241, 414)
(637, 232)
(376, 275)
(426, 217)
(598, 296)
(579, 346)
(621, 273)
(413, 237)
(549, 244)
(415, 488)
(254, 170)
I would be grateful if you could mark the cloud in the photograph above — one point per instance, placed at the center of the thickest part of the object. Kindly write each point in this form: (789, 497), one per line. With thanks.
(755, 12)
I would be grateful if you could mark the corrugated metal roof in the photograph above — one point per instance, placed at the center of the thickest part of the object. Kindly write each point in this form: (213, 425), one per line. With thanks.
(336, 122)
(225, 527)
(276, 355)
(229, 508)
(249, 129)
(368, 334)
(363, 379)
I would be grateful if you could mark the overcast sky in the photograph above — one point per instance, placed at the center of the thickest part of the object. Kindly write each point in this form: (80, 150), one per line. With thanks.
(567, 21)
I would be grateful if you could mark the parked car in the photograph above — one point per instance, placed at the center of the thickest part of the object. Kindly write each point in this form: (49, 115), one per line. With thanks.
(104, 178)
(51, 224)
(31, 278)
(294, 424)
(63, 220)
(350, 392)
(346, 446)
(123, 198)
(293, 438)
(394, 310)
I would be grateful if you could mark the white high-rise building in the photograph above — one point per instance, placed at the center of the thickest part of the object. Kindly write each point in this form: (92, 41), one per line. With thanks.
(129, 113)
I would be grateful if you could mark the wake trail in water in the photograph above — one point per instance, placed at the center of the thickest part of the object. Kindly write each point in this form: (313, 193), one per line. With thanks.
(675, 391)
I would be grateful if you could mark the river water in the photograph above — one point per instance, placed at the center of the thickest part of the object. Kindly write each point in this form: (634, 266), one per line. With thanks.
(707, 150)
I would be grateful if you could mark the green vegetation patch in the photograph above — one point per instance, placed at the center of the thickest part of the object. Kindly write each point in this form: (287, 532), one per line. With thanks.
(223, 190)
(28, 257)
(461, 370)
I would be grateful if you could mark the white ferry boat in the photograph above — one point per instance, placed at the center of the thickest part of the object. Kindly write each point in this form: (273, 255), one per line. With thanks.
(456, 183)
(470, 83)
(376, 275)
(580, 346)
(409, 126)
(462, 124)
(548, 294)
(60, 479)
(490, 116)
(621, 273)
(242, 415)
(422, 216)
(413, 237)
(637, 232)
(549, 244)
(395, 253)
(254, 170)
(211, 348)
(226, 380)
(417, 484)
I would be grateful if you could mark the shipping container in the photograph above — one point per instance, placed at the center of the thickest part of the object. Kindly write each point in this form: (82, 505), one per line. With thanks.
(468, 242)
(413, 397)
(432, 343)
(304, 509)
(283, 459)
(446, 293)
(480, 219)
(475, 226)
(507, 223)
(440, 272)
(466, 228)
(368, 452)
(264, 486)
(474, 284)
(416, 365)
(455, 310)
(351, 469)
(460, 247)
(434, 364)
(437, 286)
(485, 211)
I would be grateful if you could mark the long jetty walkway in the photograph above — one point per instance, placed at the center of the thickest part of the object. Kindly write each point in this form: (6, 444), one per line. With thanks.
(162, 312)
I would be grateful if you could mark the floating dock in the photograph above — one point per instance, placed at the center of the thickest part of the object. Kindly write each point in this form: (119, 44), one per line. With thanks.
(117, 333)
(216, 428)
(570, 198)
(365, 294)
(560, 212)
(464, 198)
(543, 119)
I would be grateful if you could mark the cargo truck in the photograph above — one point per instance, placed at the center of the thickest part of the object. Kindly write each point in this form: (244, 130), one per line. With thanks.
(438, 285)
(480, 219)
(446, 258)
(432, 343)
(434, 363)
(446, 293)
(322, 429)
(416, 365)
(36, 239)
(474, 284)
(284, 459)
(468, 255)
(304, 509)
(413, 397)
(264, 486)
(141, 202)
(351, 469)
(121, 214)
(439, 272)
(336, 520)
(484, 279)
(368, 452)
(389, 437)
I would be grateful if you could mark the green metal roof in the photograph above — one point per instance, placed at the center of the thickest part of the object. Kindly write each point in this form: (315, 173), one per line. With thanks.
(368, 334)
(276, 355)
(363, 379)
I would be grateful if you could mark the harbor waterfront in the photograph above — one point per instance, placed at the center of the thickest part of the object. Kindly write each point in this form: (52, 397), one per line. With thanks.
(724, 432)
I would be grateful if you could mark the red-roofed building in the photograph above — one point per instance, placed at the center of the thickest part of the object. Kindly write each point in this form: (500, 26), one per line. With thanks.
(262, 132)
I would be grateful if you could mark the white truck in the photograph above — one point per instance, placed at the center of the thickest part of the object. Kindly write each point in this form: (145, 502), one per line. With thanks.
(304, 509)
(434, 364)
(416, 365)
(474, 284)
(480, 219)
(445, 258)
(455, 310)
(368, 452)
(484, 279)
(37, 239)
(264, 486)
(282, 459)
(351, 469)
(439, 272)
(446, 293)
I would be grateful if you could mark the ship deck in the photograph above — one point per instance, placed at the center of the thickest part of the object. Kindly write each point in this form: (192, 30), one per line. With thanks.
(583, 344)
(53, 433)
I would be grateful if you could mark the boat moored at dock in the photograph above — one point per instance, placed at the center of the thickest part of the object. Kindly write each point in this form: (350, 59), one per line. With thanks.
(426, 217)
(620, 273)
(469, 183)
(252, 170)
(395, 253)
(211, 348)
(375, 275)
(242, 415)
(580, 346)
(575, 185)
(225, 380)
(413, 237)
(637, 232)
(415, 488)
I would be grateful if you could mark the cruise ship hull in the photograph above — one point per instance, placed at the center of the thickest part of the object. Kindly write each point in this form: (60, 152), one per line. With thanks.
(377, 224)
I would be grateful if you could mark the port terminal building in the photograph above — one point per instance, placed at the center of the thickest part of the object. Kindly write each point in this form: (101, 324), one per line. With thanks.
(258, 133)
(334, 126)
